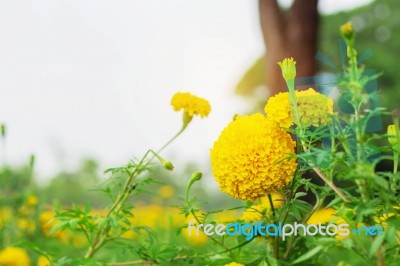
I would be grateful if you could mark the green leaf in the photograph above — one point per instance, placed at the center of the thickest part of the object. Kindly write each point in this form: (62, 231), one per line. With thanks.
(270, 261)
(58, 226)
(308, 255)
(252, 79)
(375, 245)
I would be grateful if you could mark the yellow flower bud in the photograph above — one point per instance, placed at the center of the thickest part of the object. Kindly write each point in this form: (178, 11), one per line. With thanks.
(168, 165)
(288, 67)
(392, 131)
(347, 31)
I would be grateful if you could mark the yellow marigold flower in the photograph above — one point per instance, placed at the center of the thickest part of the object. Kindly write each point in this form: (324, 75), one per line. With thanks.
(5, 216)
(314, 108)
(13, 256)
(43, 261)
(234, 264)
(191, 104)
(255, 212)
(249, 159)
(196, 237)
(322, 216)
(166, 191)
(26, 225)
(32, 200)
(288, 67)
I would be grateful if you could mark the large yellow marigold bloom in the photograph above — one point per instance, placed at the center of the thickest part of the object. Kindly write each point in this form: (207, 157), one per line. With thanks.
(314, 109)
(249, 159)
(13, 256)
(191, 104)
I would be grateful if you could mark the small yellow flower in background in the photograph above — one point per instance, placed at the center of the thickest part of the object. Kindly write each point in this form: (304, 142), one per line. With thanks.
(234, 264)
(13, 256)
(288, 67)
(26, 225)
(166, 191)
(32, 200)
(196, 237)
(191, 104)
(255, 212)
(322, 216)
(43, 261)
(392, 131)
(249, 159)
(314, 109)
(46, 226)
(5, 216)
(347, 31)
(224, 217)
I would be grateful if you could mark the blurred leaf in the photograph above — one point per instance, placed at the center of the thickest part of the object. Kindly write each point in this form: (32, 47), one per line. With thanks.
(376, 244)
(252, 79)
(3, 130)
(308, 255)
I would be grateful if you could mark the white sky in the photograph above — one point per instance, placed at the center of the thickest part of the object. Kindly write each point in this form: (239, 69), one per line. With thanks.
(94, 78)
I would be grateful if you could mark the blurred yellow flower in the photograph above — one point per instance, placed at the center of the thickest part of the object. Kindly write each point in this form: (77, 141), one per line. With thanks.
(255, 212)
(26, 225)
(5, 215)
(234, 264)
(43, 261)
(166, 191)
(13, 256)
(194, 237)
(223, 217)
(46, 225)
(32, 200)
(322, 216)
(191, 104)
(314, 108)
(249, 159)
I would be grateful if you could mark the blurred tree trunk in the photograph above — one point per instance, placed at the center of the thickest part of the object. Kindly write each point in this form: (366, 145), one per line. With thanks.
(292, 34)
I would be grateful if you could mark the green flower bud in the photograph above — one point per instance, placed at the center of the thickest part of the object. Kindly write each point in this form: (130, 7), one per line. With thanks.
(392, 131)
(168, 165)
(196, 176)
(347, 31)
(288, 67)
(3, 130)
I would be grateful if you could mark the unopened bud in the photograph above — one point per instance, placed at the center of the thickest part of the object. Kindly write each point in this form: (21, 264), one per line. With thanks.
(347, 31)
(196, 176)
(168, 165)
(288, 67)
(392, 131)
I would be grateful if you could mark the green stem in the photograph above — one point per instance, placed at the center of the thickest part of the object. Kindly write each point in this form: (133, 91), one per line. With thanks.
(126, 190)
(317, 205)
(276, 239)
